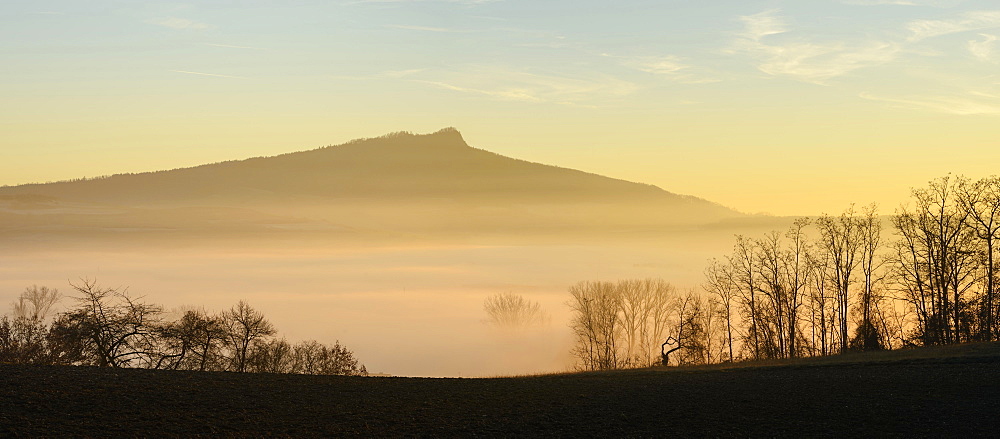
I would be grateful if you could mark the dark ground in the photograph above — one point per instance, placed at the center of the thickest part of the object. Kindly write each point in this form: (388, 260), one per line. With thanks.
(950, 392)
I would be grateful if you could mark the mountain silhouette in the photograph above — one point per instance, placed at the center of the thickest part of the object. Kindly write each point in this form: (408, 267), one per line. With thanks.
(393, 181)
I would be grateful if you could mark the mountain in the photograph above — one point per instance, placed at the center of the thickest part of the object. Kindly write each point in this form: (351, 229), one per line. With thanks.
(397, 182)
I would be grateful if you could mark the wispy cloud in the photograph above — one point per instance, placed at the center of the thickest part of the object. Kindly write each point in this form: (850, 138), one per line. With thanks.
(933, 3)
(424, 28)
(232, 46)
(815, 62)
(208, 74)
(763, 24)
(508, 93)
(465, 2)
(879, 2)
(659, 65)
(515, 85)
(547, 45)
(983, 104)
(983, 49)
(818, 63)
(969, 21)
(669, 66)
(179, 23)
(400, 73)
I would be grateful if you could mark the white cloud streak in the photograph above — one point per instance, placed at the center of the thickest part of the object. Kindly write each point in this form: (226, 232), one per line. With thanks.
(983, 50)
(878, 2)
(231, 46)
(763, 24)
(179, 23)
(400, 73)
(658, 65)
(970, 21)
(512, 85)
(802, 60)
(509, 94)
(933, 3)
(962, 106)
(463, 2)
(424, 28)
(208, 74)
(818, 63)
(669, 66)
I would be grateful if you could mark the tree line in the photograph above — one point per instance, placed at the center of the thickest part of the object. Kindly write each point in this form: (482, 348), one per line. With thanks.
(108, 327)
(857, 281)
(624, 324)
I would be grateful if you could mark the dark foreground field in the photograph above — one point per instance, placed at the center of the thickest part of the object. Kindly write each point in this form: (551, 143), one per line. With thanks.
(951, 391)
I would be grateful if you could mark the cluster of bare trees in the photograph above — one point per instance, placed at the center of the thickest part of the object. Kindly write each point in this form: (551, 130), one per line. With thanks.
(857, 281)
(623, 324)
(849, 288)
(786, 295)
(108, 327)
(511, 311)
(943, 265)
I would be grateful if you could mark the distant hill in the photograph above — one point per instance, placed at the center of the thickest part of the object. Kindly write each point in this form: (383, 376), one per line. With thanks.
(397, 182)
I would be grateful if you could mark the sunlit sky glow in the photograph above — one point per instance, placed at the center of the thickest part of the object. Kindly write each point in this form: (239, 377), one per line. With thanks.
(787, 107)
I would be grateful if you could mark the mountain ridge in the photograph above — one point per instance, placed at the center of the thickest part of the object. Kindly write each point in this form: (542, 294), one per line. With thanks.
(398, 183)
(398, 154)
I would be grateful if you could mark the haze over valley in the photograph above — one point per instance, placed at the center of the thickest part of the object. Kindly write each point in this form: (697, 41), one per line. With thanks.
(388, 244)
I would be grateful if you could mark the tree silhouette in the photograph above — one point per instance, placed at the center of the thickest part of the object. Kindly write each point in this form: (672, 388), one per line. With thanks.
(981, 199)
(620, 324)
(111, 328)
(509, 310)
(244, 326)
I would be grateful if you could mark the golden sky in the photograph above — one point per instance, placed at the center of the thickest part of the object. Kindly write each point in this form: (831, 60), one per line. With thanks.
(785, 107)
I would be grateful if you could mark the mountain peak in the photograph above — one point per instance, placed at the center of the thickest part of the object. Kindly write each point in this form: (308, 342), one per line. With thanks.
(405, 142)
(450, 132)
(395, 168)
(446, 137)
(449, 136)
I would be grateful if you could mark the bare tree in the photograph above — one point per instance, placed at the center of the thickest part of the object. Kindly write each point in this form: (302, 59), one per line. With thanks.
(690, 330)
(314, 358)
(715, 328)
(24, 341)
(271, 356)
(797, 275)
(981, 200)
(840, 241)
(719, 282)
(935, 263)
(36, 302)
(821, 302)
(869, 335)
(744, 269)
(111, 328)
(509, 310)
(596, 324)
(244, 327)
(620, 324)
(644, 312)
(24, 337)
(192, 342)
(773, 285)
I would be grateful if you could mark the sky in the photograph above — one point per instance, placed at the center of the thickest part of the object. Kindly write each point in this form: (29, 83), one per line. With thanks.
(781, 107)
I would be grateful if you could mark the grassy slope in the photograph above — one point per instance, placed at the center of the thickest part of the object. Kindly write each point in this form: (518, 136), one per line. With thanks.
(949, 391)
